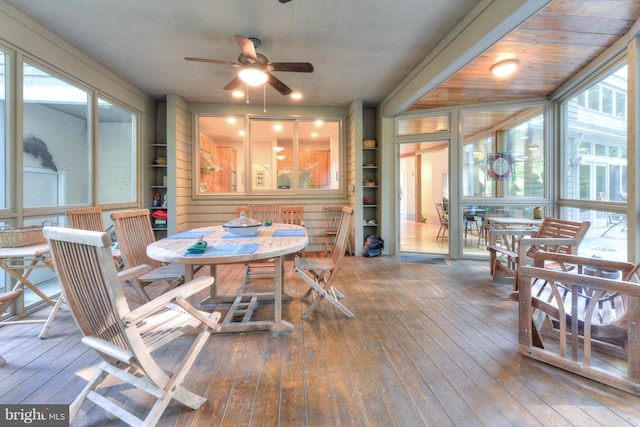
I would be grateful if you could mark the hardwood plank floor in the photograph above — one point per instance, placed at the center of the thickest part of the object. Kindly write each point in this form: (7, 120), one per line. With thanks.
(431, 345)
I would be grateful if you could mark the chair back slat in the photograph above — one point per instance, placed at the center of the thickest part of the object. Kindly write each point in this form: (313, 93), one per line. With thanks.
(266, 212)
(332, 215)
(134, 233)
(562, 229)
(86, 219)
(84, 265)
(340, 245)
(293, 215)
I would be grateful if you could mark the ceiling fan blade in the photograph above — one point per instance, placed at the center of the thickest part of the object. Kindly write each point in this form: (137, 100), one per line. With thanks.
(247, 48)
(237, 81)
(278, 85)
(297, 67)
(212, 61)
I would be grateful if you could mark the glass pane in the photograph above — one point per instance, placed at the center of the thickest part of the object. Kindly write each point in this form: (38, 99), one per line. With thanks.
(503, 153)
(221, 157)
(4, 148)
(116, 153)
(607, 236)
(57, 154)
(273, 158)
(420, 125)
(318, 154)
(595, 141)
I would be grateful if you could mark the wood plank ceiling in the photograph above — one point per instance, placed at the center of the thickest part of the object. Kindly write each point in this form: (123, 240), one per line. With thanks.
(551, 47)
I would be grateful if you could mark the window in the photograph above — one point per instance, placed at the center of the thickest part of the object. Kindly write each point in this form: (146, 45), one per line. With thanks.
(116, 153)
(516, 137)
(594, 145)
(594, 163)
(285, 155)
(4, 147)
(57, 152)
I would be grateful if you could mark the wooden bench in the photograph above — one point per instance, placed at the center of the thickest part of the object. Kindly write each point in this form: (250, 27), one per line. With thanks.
(575, 318)
(554, 235)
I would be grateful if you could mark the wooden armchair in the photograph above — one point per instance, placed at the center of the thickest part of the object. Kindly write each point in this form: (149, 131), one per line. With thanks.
(320, 273)
(554, 235)
(262, 213)
(134, 233)
(293, 215)
(577, 315)
(126, 338)
(91, 219)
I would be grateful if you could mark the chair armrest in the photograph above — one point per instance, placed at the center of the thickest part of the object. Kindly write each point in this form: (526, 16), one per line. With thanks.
(508, 232)
(134, 272)
(569, 279)
(580, 262)
(161, 301)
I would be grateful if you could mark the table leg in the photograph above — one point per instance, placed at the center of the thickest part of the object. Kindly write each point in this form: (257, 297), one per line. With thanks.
(23, 280)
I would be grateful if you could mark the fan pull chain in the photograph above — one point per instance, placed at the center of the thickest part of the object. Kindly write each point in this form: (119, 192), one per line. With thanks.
(247, 86)
(264, 98)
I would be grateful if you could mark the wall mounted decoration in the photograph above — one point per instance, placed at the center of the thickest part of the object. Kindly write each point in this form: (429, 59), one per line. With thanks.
(500, 166)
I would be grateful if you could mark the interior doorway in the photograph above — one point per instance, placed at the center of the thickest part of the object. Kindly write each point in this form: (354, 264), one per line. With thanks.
(424, 181)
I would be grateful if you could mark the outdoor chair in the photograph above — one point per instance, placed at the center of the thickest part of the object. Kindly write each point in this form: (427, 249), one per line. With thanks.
(444, 222)
(614, 219)
(6, 300)
(126, 338)
(320, 273)
(554, 235)
(262, 213)
(91, 219)
(134, 234)
(580, 312)
(293, 215)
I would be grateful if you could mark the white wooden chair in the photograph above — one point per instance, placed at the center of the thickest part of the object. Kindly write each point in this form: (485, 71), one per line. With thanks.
(125, 338)
(320, 273)
(262, 212)
(134, 233)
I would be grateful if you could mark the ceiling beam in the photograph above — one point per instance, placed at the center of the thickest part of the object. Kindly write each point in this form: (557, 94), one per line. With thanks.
(487, 23)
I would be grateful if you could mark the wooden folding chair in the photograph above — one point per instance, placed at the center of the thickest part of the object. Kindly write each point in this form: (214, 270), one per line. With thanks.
(262, 213)
(320, 273)
(126, 338)
(91, 219)
(134, 233)
(293, 215)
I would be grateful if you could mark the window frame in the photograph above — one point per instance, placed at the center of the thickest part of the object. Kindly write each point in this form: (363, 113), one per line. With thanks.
(246, 180)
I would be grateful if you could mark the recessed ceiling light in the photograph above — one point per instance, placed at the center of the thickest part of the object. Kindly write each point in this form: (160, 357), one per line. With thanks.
(231, 120)
(319, 123)
(241, 133)
(237, 94)
(296, 95)
(314, 134)
(277, 128)
(504, 68)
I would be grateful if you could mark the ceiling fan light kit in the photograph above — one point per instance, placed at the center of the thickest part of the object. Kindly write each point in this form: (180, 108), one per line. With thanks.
(258, 66)
(253, 76)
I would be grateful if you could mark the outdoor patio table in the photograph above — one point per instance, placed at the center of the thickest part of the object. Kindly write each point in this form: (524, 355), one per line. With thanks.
(274, 241)
(19, 263)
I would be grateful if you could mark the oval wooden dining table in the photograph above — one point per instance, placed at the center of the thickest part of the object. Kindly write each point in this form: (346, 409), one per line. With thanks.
(274, 241)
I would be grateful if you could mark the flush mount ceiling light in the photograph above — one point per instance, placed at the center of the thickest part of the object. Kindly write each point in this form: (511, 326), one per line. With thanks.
(504, 68)
(253, 76)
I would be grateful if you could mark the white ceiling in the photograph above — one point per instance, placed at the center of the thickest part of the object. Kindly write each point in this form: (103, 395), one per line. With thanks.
(361, 49)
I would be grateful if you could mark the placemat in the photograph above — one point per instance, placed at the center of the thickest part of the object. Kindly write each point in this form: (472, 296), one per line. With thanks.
(190, 235)
(220, 250)
(288, 232)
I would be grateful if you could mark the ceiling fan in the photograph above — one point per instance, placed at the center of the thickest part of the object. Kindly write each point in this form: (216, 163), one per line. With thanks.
(256, 68)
